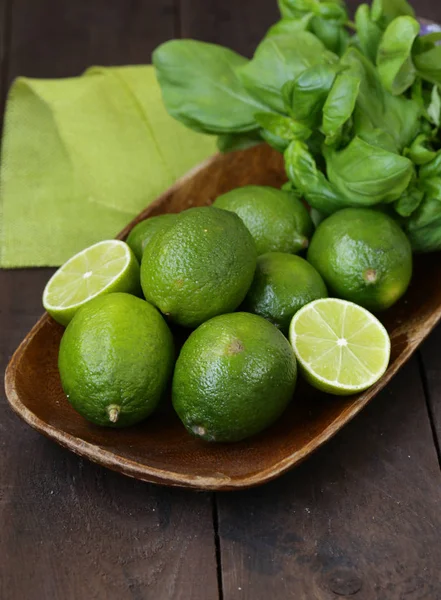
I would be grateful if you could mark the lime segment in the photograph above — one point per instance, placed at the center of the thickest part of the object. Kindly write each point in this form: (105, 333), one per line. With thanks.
(108, 266)
(341, 347)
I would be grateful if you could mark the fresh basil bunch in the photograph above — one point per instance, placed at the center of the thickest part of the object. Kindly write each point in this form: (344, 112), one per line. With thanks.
(354, 107)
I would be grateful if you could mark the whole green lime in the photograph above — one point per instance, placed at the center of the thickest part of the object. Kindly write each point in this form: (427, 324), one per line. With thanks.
(234, 377)
(143, 232)
(115, 360)
(199, 267)
(282, 284)
(363, 256)
(277, 220)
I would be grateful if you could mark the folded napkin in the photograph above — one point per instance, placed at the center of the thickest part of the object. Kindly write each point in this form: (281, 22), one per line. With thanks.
(81, 157)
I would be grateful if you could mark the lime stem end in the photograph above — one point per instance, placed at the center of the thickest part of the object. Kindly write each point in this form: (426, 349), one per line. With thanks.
(113, 412)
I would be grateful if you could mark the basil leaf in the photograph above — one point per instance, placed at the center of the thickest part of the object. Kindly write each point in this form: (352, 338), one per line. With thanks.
(418, 152)
(283, 127)
(339, 105)
(431, 169)
(229, 142)
(328, 20)
(366, 175)
(279, 144)
(305, 96)
(302, 170)
(331, 11)
(426, 239)
(316, 217)
(201, 88)
(432, 187)
(368, 32)
(280, 59)
(294, 9)
(409, 201)
(426, 42)
(385, 11)
(376, 109)
(393, 130)
(428, 65)
(424, 226)
(429, 210)
(332, 33)
(394, 59)
(434, 109)
(376, 136)
(315, 145)
(402, 119)
(416, 92)
(289, 26)
(371, 93)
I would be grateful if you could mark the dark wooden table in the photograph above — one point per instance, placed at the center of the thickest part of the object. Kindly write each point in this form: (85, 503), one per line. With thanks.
(361, 519)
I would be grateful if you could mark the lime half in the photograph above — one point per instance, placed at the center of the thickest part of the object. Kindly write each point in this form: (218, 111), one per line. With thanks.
(341, 347)
(108, 266)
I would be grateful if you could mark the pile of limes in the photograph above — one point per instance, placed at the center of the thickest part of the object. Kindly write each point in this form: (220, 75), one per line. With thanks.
(231, 274)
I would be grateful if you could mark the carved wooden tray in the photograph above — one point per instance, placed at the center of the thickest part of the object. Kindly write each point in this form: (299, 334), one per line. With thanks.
(160, 450)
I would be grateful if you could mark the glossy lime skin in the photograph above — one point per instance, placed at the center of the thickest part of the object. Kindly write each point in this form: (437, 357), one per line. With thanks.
(363, 256)
(277, 220)
(282, 284)
(116, 352)
(234, 377)
(200, 267)
(144, 231)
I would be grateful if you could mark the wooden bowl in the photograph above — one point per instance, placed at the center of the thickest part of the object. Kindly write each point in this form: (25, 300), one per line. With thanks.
(160, 450)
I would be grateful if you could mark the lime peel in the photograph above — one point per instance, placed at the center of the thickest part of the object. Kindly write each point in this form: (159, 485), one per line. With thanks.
(343, 354)
(107, 266)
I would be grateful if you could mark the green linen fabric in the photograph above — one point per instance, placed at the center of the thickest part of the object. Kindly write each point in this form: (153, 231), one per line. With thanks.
(81, 157)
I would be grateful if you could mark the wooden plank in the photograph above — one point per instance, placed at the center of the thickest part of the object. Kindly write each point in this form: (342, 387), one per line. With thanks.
(70, 529)
(359, 519)
(429, 354)
(431, 372)
(5, 15)
(59, 38)
(237, 24)
(431, 366)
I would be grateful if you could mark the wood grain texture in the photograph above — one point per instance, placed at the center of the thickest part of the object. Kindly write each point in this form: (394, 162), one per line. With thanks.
(430, 353)
(431, 371)
(5, 23)
(349, 522)
(360, 519)
(99, 535)
(61, 38)
(71, 530)
(238, 24)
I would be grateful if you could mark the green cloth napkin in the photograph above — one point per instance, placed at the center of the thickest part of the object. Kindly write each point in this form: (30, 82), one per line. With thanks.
(81, 157)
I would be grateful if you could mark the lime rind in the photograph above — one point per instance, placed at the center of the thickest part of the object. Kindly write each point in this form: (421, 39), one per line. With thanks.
(341, 347)
(105, 267)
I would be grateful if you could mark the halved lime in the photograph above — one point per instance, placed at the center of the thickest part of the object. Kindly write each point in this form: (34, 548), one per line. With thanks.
(105, 267)
(341, 347)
